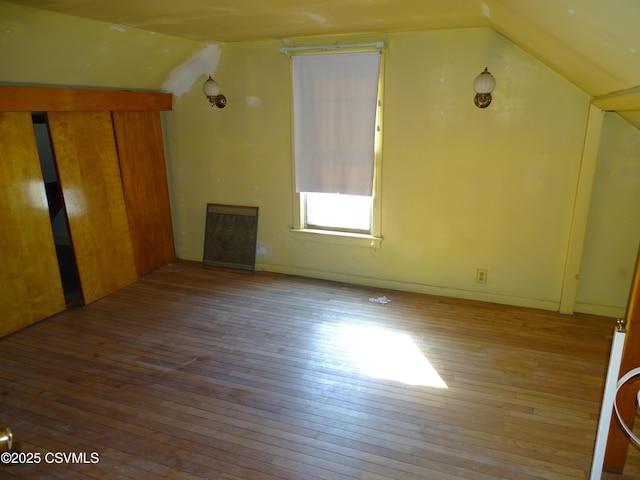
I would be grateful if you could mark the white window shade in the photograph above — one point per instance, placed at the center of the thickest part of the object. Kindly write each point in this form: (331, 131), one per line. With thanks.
(335, 103)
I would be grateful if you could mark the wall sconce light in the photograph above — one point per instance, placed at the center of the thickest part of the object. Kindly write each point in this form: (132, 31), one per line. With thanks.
(483, 85)
(212, 90)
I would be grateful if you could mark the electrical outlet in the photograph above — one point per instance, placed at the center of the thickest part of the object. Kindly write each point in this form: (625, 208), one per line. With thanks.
(481, 275)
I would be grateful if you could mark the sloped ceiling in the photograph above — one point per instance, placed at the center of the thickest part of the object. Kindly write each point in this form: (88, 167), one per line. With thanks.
(595, 44)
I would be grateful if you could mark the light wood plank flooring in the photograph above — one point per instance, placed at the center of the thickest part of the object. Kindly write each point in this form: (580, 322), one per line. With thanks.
(203, 373)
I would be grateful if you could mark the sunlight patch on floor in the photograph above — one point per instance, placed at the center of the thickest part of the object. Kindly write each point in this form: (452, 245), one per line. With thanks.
(389, 355)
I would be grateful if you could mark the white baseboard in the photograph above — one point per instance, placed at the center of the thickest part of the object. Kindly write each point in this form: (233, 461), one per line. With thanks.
(600, 310)
(193, 257)
(411, 287)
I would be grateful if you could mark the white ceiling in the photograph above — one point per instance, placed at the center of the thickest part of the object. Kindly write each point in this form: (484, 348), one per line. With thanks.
(595, 44)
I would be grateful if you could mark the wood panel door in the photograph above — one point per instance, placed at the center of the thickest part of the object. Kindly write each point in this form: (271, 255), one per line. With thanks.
(85, 151)
(30, 285)
(146, 193)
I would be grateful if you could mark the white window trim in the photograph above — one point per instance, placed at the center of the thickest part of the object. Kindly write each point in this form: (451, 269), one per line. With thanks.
(337, 237)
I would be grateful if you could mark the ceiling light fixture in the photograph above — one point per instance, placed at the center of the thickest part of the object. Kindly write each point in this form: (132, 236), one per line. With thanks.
(483, 85)
(212, 90)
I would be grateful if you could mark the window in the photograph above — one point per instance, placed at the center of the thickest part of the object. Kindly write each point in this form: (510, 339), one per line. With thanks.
(334, 211)
(336, 108)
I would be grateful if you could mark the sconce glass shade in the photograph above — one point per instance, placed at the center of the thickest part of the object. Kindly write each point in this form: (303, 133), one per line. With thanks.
(211, 87)
(483, 85)
(212, 90)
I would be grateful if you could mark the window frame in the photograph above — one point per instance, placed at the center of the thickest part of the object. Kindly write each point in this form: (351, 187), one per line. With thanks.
(373, 238)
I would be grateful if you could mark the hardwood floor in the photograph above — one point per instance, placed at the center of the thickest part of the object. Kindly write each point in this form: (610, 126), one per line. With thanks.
(198, 372)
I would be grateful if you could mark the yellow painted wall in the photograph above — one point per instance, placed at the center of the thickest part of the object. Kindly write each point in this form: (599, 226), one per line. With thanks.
(236, 155)
(462, 188)
(613, 230)
(41, 48)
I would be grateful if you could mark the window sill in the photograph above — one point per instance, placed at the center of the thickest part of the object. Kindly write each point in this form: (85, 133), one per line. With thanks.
(337, 238)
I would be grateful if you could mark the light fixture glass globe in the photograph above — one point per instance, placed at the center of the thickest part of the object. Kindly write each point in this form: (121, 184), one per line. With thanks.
(484, 83)
(211, 87)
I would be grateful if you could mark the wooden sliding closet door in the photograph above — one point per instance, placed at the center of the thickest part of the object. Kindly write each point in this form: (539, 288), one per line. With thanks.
(30, 285)
(144, 179)
(85, 152)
